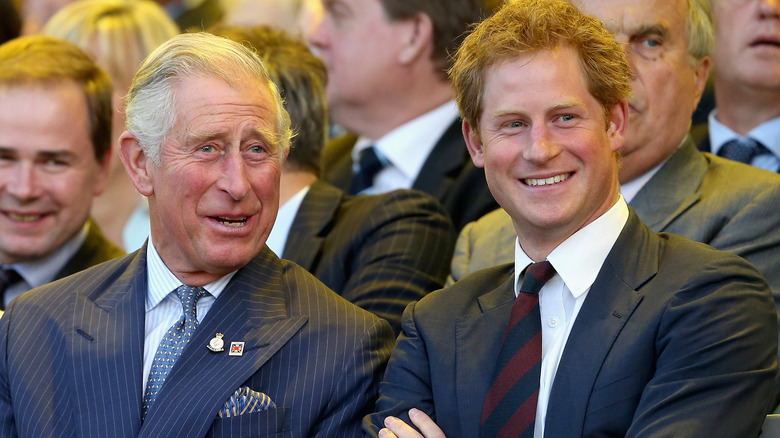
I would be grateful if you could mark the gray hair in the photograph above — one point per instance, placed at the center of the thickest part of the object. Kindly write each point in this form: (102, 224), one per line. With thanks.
(151, 102)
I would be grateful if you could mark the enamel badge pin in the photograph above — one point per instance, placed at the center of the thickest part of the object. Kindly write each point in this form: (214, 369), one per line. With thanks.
(236, 349)
(216, 344)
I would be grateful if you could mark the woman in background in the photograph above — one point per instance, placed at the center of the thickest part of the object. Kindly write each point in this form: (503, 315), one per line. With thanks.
(119, 34)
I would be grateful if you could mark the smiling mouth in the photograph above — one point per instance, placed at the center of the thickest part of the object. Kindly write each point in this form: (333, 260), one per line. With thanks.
(24, 217)
(534, 182)
(235, 222)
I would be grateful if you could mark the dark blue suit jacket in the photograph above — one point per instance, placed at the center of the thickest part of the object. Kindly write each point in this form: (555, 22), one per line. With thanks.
(675, 339)
(73, 356)
(380, 252)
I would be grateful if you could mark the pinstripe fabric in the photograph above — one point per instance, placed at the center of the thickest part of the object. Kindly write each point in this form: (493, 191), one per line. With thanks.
(380, 252)
(314, 354)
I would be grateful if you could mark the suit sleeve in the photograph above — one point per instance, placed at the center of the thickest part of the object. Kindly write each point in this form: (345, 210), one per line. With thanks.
(754, 234)
(716, 358)
(356, 390)
(405, 256)
(407, 381)
(7, 420)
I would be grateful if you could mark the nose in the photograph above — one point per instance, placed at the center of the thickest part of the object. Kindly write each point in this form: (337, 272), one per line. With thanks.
(23, 184)
(542, 147)
(769, 8)
(234, 180)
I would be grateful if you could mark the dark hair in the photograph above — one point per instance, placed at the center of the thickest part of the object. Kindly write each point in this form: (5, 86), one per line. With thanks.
(46, 60)
(451, 21)
(301, 78)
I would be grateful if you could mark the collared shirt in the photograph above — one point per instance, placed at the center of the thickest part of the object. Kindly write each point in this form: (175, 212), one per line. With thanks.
(405, 148)
(630, 189)
(577, 262)
(767, 133)
(42, 271)
(163, 307)
(277, 240)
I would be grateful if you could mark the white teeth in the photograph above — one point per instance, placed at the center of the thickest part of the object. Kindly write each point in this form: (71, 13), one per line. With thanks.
(533, 182)
(232, 222)
(24, 217)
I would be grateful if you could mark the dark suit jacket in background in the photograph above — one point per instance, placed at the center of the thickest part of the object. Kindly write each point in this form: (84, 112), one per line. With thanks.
(73, 358)
(448, 175)
(95, 249)
(380, 252)
(674, 339)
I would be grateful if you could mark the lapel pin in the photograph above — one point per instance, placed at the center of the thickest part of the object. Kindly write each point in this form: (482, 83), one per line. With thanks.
(236, 349)
(216, 344)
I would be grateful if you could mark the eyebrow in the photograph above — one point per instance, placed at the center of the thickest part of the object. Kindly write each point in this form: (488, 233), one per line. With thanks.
(266, 135)
(566, 104)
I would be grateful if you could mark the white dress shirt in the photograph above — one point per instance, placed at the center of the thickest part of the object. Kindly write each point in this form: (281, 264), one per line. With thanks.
(577, 262)
(277, 240)
(163, 307)
(767, 133)
(405, 148)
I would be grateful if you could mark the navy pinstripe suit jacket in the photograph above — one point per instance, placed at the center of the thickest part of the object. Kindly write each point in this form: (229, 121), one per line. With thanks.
(72, 358)
(380, 252)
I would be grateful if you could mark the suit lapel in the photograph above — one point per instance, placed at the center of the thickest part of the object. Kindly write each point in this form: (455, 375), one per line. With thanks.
(107, 349)
(443, 164)
(673, 189)
(474, 353)
(309, 228)
(253, 310)
(609, 305)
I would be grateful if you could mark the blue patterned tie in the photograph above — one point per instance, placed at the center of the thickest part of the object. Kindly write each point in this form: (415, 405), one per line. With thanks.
(172, 344)
(742, 150)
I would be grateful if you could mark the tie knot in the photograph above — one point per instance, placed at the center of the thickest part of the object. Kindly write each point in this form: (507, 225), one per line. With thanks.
(369, 165)
(742, 150)
(536, 275)
(189, 295)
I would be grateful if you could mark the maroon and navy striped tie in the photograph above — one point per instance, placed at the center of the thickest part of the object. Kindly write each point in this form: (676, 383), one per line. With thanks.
(510, 404)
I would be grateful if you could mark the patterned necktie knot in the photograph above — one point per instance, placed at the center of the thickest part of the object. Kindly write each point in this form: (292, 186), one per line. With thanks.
(742, 150)
(536, 275)
(172, 344)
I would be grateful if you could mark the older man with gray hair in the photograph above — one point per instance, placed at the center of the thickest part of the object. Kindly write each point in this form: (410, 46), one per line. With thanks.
(203, 331)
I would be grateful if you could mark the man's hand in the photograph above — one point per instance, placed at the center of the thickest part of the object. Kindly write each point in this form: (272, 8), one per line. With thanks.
(395, 428)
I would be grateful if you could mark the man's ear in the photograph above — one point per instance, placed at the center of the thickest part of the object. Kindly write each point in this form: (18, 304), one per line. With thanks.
(136, 163)
(618, 123)
(474, 144)
(417, 39)
(104, 169)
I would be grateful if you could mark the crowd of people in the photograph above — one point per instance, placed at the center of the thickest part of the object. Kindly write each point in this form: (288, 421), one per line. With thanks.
(389, 218)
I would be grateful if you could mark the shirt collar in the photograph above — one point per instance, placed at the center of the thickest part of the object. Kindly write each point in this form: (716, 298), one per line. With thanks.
(408, 146)
(39, 272)
(161, 281)
(767, 133)
(277, 240)
(579, 258)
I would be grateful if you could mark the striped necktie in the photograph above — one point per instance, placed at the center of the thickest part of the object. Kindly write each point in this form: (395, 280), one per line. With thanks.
(172, 344)
(510, 405)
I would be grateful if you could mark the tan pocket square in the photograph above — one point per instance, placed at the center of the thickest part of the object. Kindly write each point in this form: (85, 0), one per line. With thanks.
(245, 401)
